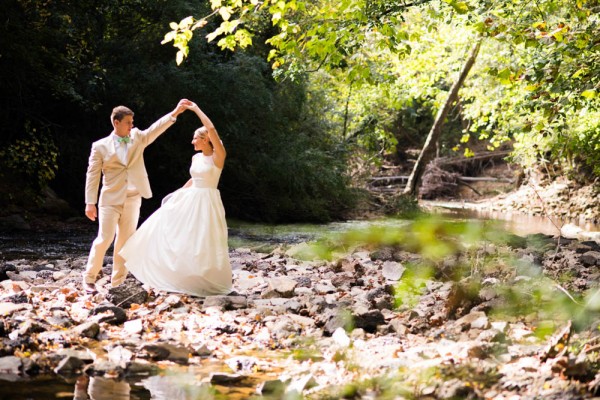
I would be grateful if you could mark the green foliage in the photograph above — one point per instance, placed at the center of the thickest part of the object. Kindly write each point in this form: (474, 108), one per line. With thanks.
(537, 74)
(282, 164)
(33, 158)
(401, 206)
(582, 149)
(64, 66)
(412, 285)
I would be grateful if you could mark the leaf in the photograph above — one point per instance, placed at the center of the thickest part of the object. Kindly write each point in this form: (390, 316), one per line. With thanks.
(211, 36)
(243, 38)
(504, 76)
(461, 7)
(179, 57)
(558, 34)
(539, 25)
(186, 22)
(580, 72)
(225, 14)
(168, 37)
(589, 94)
(199, 24)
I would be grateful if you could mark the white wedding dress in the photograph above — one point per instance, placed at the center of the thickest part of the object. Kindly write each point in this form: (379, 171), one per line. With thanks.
(182, 247)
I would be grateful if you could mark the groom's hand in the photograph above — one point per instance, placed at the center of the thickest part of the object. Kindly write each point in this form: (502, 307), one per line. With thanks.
(90, 211)
(181, 107)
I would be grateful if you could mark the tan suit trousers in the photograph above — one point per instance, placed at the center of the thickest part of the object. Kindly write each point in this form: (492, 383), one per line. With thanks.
(121, 220)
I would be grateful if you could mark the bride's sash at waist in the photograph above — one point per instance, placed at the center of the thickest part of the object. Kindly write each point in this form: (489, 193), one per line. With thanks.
(202, 184)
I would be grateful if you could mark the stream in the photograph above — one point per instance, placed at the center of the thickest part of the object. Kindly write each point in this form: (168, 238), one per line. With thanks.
(264, 237)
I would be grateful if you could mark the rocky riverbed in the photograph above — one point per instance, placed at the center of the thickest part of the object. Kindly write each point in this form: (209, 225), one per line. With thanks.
(504, 318)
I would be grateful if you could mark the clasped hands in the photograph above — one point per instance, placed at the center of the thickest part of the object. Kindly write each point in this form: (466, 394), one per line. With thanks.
(184, 104)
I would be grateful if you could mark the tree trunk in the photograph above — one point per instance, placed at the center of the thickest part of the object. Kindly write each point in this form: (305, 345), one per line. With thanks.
(428, 151)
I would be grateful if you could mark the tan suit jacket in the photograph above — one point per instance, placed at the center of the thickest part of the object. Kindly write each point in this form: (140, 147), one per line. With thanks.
(115, 175)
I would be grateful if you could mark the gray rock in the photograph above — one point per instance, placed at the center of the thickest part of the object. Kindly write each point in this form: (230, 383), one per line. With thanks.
(336, 319)
(9, 308)
(283, 286)
(202, 350)
(221, 378)
(383, 254)
(17, 277)
(592, 244)
(6, 268)
(166, 351)
(298, 385)
(392, 270)
(28, 327)
(271, 388)
(89, 329)
(63, 321)
(69, 366)
(282, 328)
(344, 280)
(171, 301)
(118, 314)
(369, 321)
(324, 288)
(303, 281)
(101, 367)
(10, 365)
(54, 205)
(130, 292)
(141, 368)
(474, 320)
(350, 266)
(590, 258)
(226, 303)
(398, 327)
(492, 335)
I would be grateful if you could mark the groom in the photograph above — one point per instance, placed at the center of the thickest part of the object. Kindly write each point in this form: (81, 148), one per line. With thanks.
(119, 158)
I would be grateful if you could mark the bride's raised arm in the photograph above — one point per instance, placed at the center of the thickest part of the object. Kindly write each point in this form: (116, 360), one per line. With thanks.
(213, 136)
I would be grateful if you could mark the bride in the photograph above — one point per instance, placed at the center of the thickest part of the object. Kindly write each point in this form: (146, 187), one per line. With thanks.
(182, 247)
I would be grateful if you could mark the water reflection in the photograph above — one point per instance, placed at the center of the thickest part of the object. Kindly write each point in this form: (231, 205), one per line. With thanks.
(517, 223)
(176, 387)
(523, 224)
(98, 388)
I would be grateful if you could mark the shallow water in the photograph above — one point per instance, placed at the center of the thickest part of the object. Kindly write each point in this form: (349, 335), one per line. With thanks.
(517, 223)
(172, 383)
(265, 237)
(51, 246)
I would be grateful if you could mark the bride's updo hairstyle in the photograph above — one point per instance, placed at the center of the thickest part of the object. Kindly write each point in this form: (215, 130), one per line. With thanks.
(202, 133)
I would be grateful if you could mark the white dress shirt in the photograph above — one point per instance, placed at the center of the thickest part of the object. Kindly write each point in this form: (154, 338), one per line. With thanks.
(121, 149)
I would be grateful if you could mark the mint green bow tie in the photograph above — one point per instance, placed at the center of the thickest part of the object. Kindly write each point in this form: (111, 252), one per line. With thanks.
(124, 139)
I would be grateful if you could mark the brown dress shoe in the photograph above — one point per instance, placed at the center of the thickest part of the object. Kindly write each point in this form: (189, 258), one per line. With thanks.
(90, 288)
